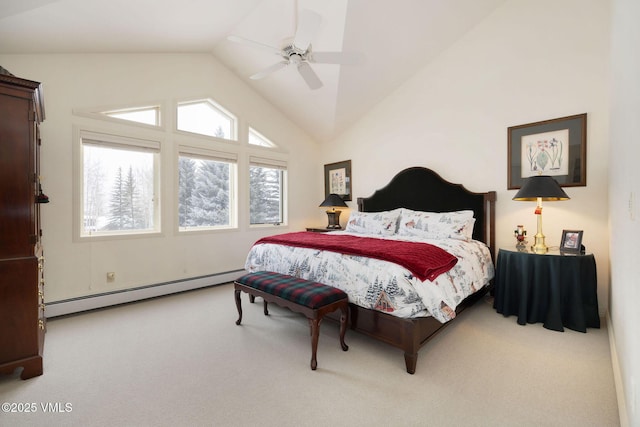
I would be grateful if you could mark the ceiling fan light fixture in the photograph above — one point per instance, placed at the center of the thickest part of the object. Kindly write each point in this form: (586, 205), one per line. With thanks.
(295, 59)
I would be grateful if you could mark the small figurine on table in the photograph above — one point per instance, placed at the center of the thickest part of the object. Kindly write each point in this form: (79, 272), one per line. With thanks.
(520, 234)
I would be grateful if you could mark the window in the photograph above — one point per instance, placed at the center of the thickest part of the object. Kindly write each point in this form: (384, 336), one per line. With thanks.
(206, 118)
(117, 186)
(257, 139)
(120, 184)
(267, 188)
(206, 189)
(146, 115)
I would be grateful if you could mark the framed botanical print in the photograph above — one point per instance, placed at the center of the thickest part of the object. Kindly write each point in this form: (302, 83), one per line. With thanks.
(337, 179)
(556, 147)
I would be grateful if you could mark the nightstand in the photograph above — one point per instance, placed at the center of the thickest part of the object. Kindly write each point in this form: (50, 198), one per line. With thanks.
(320, 230)
(555, 289)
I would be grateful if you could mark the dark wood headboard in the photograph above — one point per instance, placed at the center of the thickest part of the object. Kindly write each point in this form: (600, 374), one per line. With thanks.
(422, 189)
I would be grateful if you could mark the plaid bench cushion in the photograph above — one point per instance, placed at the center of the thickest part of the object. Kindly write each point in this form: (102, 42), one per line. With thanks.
(300, 291)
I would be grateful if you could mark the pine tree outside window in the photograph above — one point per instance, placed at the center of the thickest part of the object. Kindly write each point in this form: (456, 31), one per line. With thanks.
(206, 190)
(119, 185)
(267, 191)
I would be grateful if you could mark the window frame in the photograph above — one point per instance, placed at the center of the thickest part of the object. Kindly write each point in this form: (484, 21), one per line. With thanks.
(274, 163)
(270, 144)
(156, 108)
(100, 113)
(221, 110)
(199, 151)
(130, 133)
(120, 140)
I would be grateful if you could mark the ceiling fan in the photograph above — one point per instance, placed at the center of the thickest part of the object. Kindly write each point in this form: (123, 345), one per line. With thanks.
(297, 51)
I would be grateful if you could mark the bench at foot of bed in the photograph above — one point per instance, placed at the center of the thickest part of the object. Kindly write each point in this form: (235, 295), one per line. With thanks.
(312, 299)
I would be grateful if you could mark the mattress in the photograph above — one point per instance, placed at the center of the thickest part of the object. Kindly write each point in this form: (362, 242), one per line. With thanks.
(382, 285)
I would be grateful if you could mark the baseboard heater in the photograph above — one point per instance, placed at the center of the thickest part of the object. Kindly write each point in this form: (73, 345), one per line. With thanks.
(92, 302)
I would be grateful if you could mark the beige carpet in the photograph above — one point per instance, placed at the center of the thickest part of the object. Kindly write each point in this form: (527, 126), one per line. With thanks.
(182, 361)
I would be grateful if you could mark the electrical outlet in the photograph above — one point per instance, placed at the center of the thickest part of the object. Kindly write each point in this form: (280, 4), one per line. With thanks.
(111, 276)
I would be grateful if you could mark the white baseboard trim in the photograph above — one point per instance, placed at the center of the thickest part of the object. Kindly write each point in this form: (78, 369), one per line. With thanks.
(92, 302)
(617, 375)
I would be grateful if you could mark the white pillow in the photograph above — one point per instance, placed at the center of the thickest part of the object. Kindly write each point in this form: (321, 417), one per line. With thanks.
(437, 225)
(383, 223)
(455, 215)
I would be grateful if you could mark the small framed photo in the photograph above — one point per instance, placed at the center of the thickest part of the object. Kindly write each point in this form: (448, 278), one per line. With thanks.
(571, 241)
(337, 179)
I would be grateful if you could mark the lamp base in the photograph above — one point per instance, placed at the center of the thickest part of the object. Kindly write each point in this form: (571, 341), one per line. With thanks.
(334, 220)
(539, 246)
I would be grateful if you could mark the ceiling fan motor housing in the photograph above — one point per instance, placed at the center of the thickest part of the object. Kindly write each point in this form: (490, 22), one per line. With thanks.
(295, 54)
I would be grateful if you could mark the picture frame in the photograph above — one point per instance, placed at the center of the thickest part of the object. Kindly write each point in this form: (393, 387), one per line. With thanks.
(571, 241)
(337, 179)
(555, 147)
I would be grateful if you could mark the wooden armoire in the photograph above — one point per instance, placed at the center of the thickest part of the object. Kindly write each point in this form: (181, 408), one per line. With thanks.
(22, 321)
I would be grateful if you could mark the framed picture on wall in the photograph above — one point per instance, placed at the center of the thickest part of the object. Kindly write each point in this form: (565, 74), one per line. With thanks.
(556, 147)
(571, 241)
(337, 179)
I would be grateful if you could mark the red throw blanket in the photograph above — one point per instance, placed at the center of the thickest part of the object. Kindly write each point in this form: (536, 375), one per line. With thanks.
(424, 260)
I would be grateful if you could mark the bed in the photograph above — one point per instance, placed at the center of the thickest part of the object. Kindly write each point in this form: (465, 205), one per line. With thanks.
(396, 305)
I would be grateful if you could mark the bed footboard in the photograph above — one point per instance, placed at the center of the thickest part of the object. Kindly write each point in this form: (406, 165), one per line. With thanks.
(406, 334)
(409, 335)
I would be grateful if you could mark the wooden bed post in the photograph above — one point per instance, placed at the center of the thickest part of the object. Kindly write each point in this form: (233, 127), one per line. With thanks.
(490, 200)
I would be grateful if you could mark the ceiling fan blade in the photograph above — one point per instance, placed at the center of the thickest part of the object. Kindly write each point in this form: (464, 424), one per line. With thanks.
(252, 43)
(308, 25)
(309, 76)
(344, 58)
(271, 69)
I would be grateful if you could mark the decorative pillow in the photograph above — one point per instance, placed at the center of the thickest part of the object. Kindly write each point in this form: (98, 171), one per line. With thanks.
(437, 225)
(384, 223)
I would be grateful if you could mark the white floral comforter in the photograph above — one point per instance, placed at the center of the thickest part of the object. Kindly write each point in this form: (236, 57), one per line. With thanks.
(382, 285)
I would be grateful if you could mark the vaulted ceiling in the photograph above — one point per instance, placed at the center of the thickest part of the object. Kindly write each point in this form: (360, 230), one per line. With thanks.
(393, 38)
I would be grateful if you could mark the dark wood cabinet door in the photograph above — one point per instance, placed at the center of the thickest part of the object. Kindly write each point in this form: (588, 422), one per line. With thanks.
(19, 314)
(17, 177)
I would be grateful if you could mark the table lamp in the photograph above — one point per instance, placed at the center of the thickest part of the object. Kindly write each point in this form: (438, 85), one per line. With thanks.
(333, 201)
(539, 188)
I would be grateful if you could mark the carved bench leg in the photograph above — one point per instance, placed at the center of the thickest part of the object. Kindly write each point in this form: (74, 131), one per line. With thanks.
(343, 326)
(239, 306)
(315, 332)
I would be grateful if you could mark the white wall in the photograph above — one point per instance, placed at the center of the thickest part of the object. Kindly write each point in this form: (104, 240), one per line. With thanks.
(77, 269)
(531, 60)
(624, 203)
